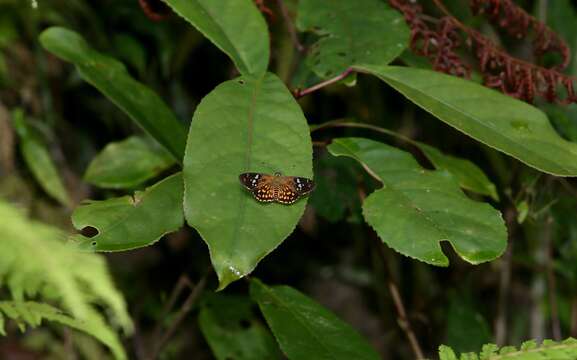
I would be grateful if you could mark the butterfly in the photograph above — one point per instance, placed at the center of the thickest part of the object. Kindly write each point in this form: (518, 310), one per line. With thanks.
(282, 189)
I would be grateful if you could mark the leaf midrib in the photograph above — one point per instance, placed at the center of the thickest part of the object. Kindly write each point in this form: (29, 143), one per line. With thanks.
(461, 111)
(297, 317)
(243, 199)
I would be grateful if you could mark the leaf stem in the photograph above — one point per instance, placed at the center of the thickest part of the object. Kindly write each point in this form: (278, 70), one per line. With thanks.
(290, 26)
(184, 310)
(551, 281)
(402, 318)
(300, 93)
(505, 280)
(183, 281)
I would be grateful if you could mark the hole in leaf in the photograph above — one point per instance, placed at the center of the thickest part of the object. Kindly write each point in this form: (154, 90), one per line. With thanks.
(89, 231)
(241, 82)
(93, 243)
(244, 323)
(343, 54)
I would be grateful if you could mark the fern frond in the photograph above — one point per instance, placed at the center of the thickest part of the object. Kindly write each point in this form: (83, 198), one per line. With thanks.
(35, 263)
(32, 313)
(529, 350)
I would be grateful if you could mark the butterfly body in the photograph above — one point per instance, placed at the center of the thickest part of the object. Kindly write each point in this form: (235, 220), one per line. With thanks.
(276, 188)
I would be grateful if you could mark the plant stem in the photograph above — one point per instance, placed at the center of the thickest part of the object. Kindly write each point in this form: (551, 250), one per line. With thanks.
(300, 93)
(290, 26)
(402, 318)
(184, 310)
(551, 282)
(505, 280)
(183, 281)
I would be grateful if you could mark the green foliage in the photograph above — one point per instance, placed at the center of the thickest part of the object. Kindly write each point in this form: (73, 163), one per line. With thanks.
(361, 32)
(35, 263)
(233, 331)
(253, 123)
(306, 330)
(529, 350)
(506, 124)
(260, 128)
(416, 209)
(128, 163)
(109, 76)
(38, 159)
(32, 314)
(336, 187)
(467, 329)
(469, 175)
(130, 222)
(234, 26)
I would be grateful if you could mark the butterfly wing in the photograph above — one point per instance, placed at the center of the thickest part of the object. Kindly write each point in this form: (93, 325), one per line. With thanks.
(293, 188)
(264, 193)
(260, 185)
(303, 185)
(251, 180)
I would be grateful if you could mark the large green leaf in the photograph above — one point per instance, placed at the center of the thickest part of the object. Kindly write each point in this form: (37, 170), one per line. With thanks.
(109, 76)
(511, 126)
(416, 208)
(38, 160)
(467, 329)
(135, 221)
(234, 26)
(366, 32)
(127, 163)
(469, 175)
(233, 331)
(306, 330)
(247, 124)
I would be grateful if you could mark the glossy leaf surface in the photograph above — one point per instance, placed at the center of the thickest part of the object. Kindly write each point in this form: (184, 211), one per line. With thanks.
(127, 163)
(130, 222)
(234, 26)
(508, 125)
(306, 330)
(416, 208)
(260, 128)
(232, 330)
(351, 33)
(469, 175)
(109, 76)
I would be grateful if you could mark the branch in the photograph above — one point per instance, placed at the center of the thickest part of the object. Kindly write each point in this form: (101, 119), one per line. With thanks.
(402, 318)
(290, 26)
(504, 281)
(184, 310)
(300, 93)
(551, 281)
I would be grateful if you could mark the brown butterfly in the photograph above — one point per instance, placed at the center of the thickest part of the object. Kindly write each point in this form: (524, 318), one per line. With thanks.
(282, 189)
